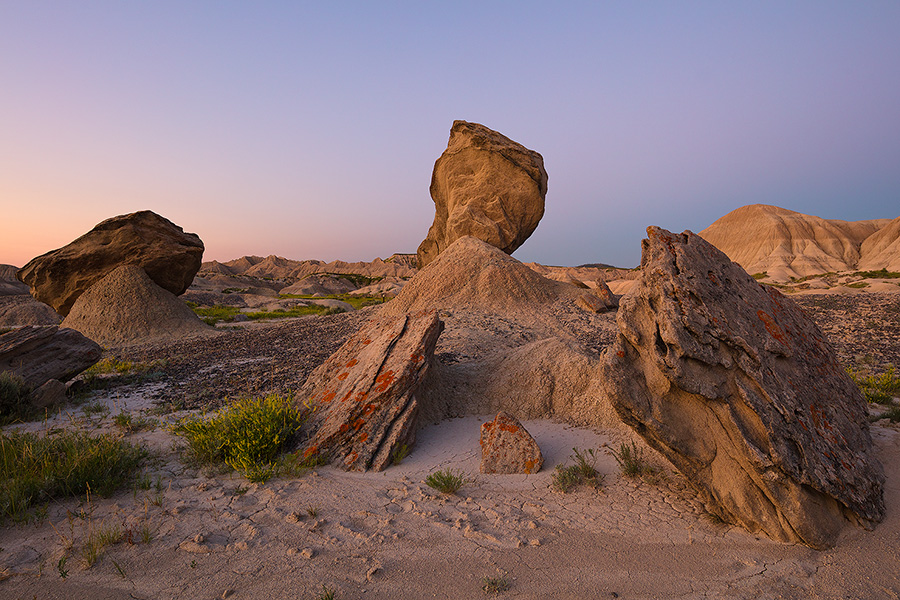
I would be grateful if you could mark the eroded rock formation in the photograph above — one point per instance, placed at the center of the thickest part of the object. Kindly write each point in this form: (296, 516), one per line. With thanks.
(39, 354)
(168, 255)
(363, 397)
(741, 391)
(487, 186)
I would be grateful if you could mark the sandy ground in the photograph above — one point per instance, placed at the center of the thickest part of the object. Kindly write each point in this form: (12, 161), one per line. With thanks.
(388, 535)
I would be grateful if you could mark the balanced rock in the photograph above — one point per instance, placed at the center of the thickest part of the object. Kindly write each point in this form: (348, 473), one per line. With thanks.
(169, 256)
(487, 186)
(741, 391)
(125, 306)
(506, 447)
(363, 397)
(39, 354)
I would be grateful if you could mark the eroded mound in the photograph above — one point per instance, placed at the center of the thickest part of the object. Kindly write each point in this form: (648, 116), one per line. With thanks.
(127, 307)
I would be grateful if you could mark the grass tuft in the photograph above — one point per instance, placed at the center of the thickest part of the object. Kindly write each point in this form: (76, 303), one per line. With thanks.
(447, 481)
(34, 469)
(14, 398)
(495, 585)
(247, 436)
(631, 461)
(582, 472)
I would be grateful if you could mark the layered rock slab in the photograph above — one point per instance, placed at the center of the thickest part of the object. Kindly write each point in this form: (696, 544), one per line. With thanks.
(126, 307)
(487, 186)
(741, 391)
(508, 448)
(39, 354)
(363, 397)
(168, 255)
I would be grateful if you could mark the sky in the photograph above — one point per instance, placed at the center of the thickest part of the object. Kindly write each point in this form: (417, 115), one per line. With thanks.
(310, 130)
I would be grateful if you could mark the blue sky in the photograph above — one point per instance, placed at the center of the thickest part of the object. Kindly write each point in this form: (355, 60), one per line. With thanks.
(311, 130)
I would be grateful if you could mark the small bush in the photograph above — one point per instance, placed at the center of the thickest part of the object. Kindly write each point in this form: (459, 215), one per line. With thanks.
(247, 436)
(446, 481)
(34, 469)
(631, 461)
(582, 472)
(880, 389)
(762, 275)
(14, 397)
(495, 585)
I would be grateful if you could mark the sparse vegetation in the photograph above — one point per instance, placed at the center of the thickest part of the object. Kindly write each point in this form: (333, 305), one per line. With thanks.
(356, 302)
(882, 274)
(880, 389)
(127, 423)
(35, 469)
(326, 593)
(495, 585)
(631, 461)
(858, 285)
(247, 436)
(762, 275)
(110, 372)
(227, 314)
(399, 452)
(14, 398)
(446, 481)
(583, 472)
(98, 540)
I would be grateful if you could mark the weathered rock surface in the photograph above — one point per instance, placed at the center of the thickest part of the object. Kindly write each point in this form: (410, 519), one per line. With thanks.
(19, 309)
(741, 391)
(363, 396)
(169, 256)
(126, 307)
(507, 447)
(51, 393)
(487, 186)
(38, 354)
(881, 250)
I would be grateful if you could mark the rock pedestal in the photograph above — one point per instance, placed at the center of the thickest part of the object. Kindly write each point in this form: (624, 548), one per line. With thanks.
(741, 391)
(363, 397)
(168, 255)
(506, 447)
(487, 186)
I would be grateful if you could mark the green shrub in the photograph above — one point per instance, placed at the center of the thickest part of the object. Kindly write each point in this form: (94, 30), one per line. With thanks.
(881, 389)
(14, 396)
(631, 461)
(34, 469)
(582, 472)
(762, 275)
(446, 481)
(247, 436)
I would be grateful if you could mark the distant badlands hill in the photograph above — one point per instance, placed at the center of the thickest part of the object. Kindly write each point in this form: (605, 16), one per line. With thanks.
(785, 244)
(276, 267)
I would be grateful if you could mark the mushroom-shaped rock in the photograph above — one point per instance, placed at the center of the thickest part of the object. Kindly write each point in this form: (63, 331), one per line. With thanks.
(363, 397)
(168, 255)
(487, 186)
(740, 390)
(507, 447)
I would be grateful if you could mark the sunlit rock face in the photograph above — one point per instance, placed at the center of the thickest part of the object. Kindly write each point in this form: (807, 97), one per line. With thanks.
(487, 186)
(741, 391)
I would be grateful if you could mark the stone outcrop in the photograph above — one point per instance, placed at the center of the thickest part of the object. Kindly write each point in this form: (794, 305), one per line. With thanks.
(507, 448)
(126, 307)
(487, 186)
(168, 255)
(741, 391)
(39, 354)
(363, 397)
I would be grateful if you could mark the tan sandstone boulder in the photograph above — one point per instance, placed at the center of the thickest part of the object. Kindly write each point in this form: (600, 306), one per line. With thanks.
(39, 354)
(487, 186)
(363, 397)
(741, 391)
(169, 256)
(507, 447)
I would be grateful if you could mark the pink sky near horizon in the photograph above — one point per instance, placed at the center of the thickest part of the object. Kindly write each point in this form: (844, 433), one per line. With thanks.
(312, 132)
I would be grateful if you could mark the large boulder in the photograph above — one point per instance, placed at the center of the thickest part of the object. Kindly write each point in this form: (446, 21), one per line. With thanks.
(39, 354)
(126, 307)
(741, 391)
(487, 186)
(169, 256)
(363, 397)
